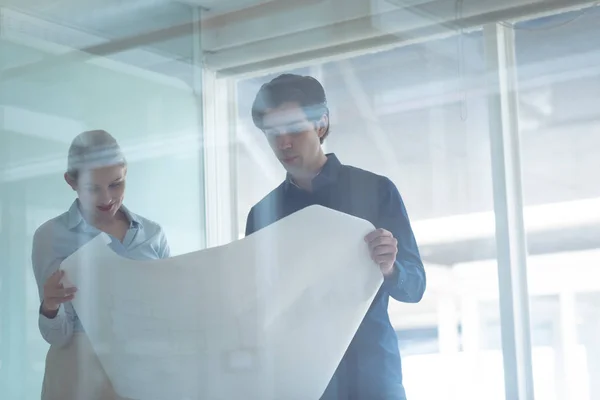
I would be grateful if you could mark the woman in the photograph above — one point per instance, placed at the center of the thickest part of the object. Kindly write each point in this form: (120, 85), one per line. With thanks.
(96, 171)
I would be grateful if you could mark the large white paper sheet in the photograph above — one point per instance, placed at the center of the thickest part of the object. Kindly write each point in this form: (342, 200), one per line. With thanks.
(266, 317)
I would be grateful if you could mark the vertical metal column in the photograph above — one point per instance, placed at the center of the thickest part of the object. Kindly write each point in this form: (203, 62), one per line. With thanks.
(13, 264)
(508, 206)
(565, 327)
(216, 97)
(4, 264)
(198, 88)
(219, 160)
(231, 105)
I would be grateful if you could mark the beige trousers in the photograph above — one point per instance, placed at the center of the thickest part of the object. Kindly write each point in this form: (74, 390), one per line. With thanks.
(74, 372)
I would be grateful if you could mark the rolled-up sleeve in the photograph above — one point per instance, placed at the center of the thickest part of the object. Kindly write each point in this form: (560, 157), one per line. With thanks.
(58, 330)
(408, 282)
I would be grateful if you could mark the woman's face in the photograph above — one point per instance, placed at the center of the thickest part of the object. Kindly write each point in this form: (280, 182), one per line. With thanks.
(100, 191)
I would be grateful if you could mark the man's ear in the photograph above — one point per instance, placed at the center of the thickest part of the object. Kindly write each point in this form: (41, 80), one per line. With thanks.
(323, 125)
(70, 181)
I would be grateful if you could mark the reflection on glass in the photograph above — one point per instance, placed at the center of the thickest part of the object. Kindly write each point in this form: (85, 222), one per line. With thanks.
(560, 132)
(97, 173)
(406, 83)
(407, 114)
(50, 91)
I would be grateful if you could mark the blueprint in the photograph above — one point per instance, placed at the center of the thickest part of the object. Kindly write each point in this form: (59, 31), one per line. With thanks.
(265, 317)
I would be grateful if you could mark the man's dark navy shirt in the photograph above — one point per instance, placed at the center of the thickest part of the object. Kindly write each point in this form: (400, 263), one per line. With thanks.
(371, 367)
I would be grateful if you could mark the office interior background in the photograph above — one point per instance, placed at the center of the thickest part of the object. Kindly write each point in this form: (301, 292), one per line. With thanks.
(484, 114)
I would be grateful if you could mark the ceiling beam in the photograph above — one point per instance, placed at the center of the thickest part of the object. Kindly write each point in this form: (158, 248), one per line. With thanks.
(176, 144)
(62, 43)
(433, 20)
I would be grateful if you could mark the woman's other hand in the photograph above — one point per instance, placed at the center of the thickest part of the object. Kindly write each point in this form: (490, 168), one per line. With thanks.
(56, 294)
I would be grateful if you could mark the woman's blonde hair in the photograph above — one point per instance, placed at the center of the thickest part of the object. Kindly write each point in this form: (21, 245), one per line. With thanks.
(93, 149)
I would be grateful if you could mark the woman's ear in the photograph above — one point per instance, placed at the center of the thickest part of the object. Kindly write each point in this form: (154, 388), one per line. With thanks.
(70, 181)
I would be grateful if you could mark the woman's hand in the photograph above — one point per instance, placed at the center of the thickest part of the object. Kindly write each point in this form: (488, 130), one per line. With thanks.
(55, 294)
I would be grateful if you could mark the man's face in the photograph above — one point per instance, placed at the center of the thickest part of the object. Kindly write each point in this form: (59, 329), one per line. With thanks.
(294, 139)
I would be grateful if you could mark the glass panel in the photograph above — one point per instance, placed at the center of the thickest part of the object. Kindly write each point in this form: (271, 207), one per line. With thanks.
(55, 85)
(559, 83)
(417, 115)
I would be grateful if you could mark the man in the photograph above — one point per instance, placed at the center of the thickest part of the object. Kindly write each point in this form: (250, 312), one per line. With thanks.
(292, 112)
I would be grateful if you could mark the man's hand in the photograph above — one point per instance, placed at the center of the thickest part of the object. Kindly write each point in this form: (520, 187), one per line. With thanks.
(55, 294)
(383, 248)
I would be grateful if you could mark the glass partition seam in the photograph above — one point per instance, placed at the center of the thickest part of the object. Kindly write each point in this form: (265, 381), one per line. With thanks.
(508, 206)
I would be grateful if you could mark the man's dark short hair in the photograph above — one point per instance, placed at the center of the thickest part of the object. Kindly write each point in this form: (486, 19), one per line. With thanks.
(289, 88)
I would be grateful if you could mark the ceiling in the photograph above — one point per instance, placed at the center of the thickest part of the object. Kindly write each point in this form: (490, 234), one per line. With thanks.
(111, 21)
(239, 36)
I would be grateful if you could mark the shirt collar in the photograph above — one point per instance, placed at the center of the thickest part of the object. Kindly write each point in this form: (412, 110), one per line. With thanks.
(328, 174)
(75, 218)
